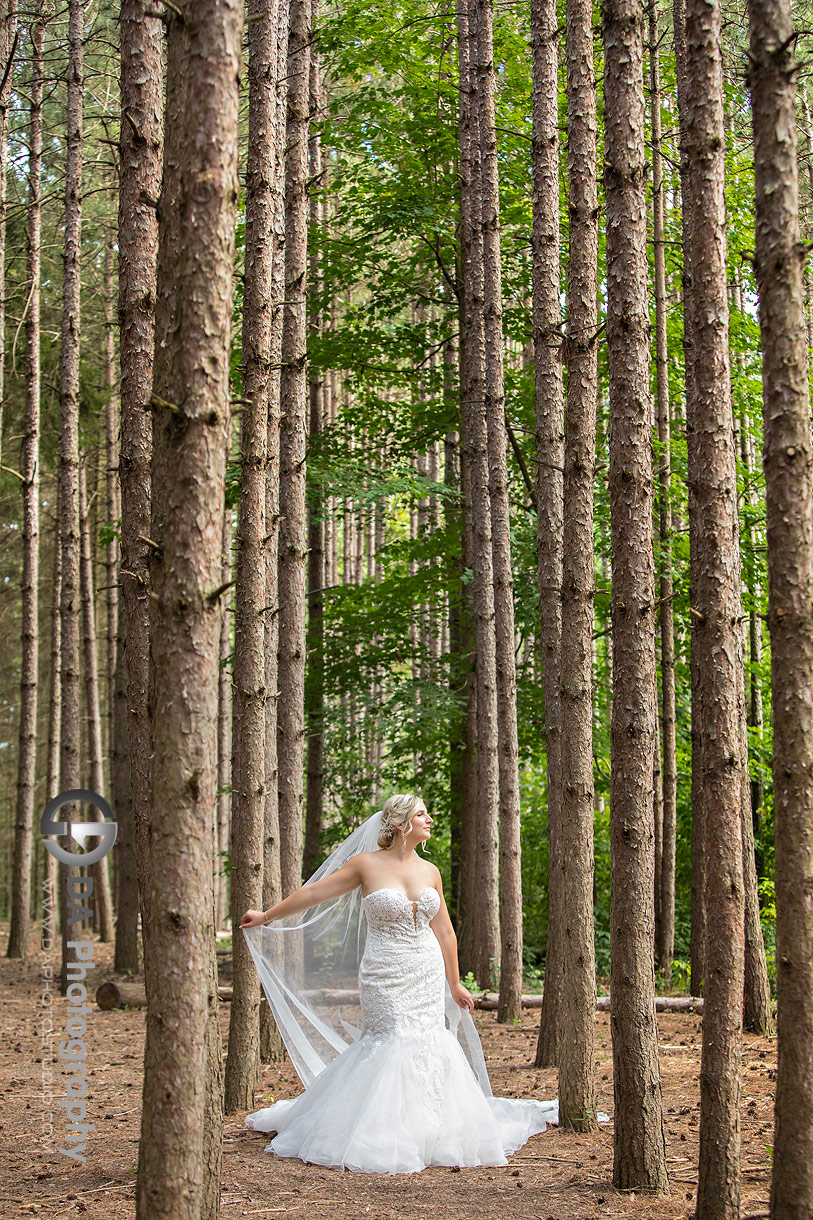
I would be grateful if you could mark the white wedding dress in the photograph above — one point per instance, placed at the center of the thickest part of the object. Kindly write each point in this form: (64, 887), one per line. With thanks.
(403, 1095)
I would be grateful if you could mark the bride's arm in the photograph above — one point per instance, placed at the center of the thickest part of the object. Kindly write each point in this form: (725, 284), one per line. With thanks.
(342, 881)
(441, 925)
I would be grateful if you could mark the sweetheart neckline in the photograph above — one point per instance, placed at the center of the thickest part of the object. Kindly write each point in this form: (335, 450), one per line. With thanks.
(392, 890)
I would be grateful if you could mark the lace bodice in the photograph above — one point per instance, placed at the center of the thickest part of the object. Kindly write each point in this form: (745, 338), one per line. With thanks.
(391, 912)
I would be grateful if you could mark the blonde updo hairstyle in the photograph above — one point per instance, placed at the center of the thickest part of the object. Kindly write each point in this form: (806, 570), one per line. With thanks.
(396, 817)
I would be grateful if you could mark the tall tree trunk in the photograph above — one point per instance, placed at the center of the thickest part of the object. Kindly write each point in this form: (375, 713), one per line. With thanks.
(8, 47)
(665, 907)
(757, 1015)
(510, 878)
(248, 749)
(755, 713)
(458, 656)
(70, 733)
(140, 155)
(112, 498)
(780, 257)
(100, 898)
(293, 537)
(550, 427)
(698, 886)
(639, 1160)
(29, 470)
(467, 882)
(577, 1102)
(125, 895)
(269, 36)
(716, 607)
(314, 689)
(249, 763)
(126, 876)
(55, 702)
(224, 731)
(182, 1124)
(485, 925)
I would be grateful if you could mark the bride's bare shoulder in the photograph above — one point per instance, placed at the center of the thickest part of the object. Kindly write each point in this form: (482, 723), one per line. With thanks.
(363, 859)
(437, 879)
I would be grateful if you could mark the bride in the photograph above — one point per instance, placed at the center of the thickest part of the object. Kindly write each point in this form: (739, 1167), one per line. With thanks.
(407, 1088)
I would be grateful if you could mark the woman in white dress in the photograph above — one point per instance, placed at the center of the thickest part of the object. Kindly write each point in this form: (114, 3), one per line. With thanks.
(409, 1087)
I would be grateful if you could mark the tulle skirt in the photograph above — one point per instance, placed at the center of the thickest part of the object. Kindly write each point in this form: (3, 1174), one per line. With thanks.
(398, 1104)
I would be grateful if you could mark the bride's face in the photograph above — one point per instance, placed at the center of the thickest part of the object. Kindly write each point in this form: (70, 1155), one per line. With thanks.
(422, 824)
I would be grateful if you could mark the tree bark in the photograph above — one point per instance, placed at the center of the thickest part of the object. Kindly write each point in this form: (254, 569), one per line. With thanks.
(112, 499)
(224, 730)
(70, 732)
(757, 1011)
(249, 731)
(54, 708)
(639, 1160)
(780, 258)
(665, 906)
(577, 1103)
(293, 537)
(698, 890)
(100, 898)
(271, 34)
(510, 875)
(8, 46)
(314, 688)
(125, 898)
(755, 713)
(550, 427)
(140, 155)
(467, 879)
(29, 470)
(459, 629)
(125, 894)
(182, 1124)
(485, 942)
(716, 609)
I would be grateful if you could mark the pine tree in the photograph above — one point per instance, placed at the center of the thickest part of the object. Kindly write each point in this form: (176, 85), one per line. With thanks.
(29, 470)
(780, 257)
(182, 1122)
(69, 763)
(510, 879)
(293, 536)
(575, 1052)
(716, 609)
(639, 1153)
(140, 156)
(549, 439)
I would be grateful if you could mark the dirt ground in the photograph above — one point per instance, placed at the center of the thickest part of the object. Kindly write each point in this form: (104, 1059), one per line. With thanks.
(554, 1177)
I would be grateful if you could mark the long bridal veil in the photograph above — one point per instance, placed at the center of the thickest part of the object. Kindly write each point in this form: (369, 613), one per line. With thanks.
(308, 965)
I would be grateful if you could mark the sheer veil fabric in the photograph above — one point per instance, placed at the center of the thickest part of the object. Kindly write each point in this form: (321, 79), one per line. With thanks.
(309, 964)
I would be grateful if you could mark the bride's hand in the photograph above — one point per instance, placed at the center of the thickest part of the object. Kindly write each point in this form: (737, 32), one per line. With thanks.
(462, 997)
(253, 919)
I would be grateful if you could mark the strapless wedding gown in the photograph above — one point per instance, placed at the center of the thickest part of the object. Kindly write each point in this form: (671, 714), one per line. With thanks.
(403, 1096)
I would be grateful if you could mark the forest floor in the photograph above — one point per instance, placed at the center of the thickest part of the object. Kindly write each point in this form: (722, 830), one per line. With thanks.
(555, 1176)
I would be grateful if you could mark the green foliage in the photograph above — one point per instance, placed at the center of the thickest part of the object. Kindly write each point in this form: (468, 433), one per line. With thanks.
(388, 254)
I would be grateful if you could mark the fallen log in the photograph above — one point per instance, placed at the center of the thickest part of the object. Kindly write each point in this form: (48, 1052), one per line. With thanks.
(118, 995)
(666, 1003)
(489, 1000)
(111, 995)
